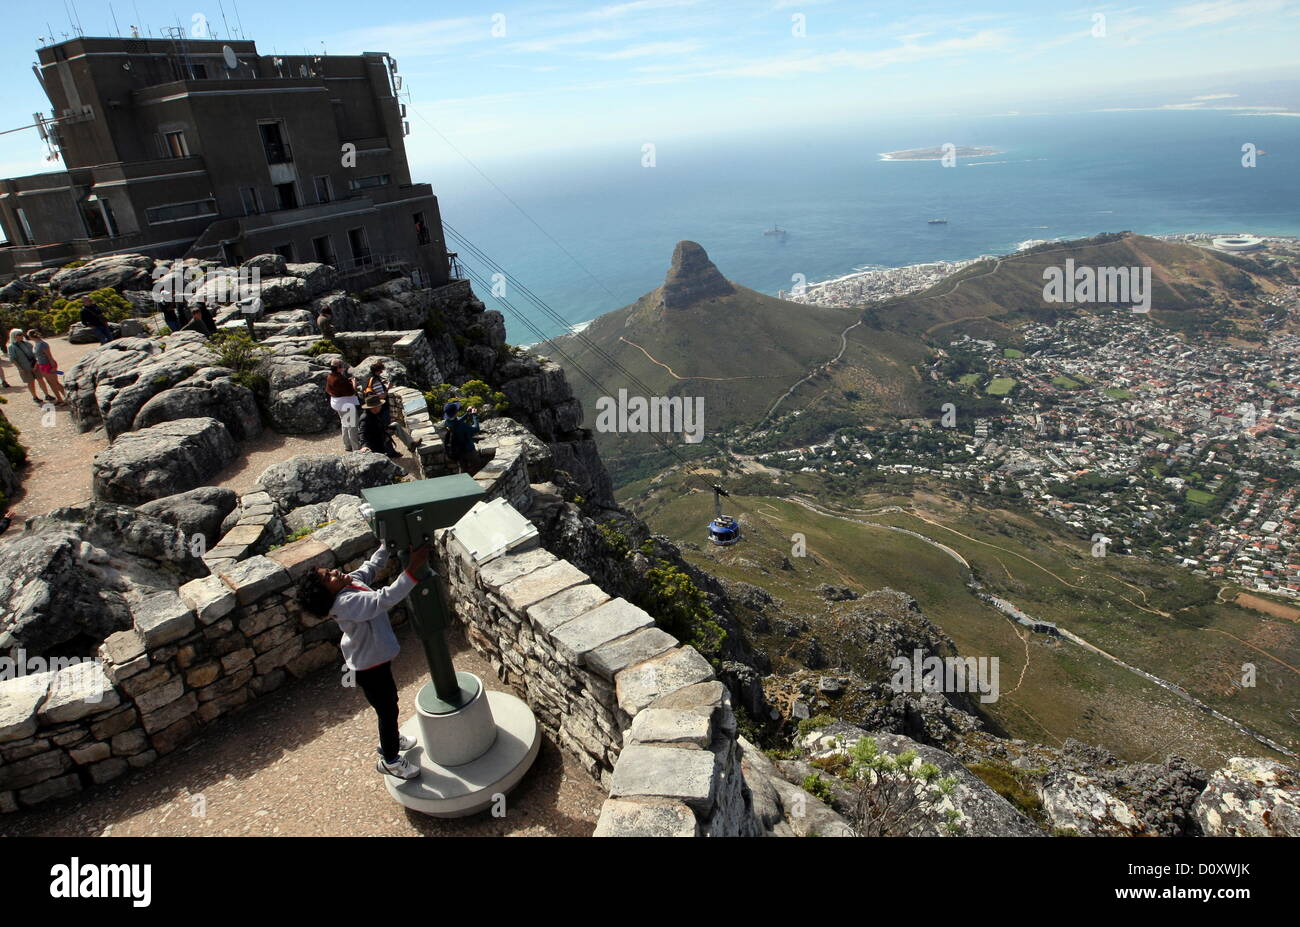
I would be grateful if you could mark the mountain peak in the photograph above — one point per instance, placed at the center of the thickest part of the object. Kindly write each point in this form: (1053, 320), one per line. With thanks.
(692, 277)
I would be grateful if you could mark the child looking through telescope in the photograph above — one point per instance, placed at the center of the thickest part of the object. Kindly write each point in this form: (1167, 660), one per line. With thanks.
(368, 642)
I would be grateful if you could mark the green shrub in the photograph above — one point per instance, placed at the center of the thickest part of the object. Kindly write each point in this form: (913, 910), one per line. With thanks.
(818, 787)
(324, 346)
(476, 393)
(682, 609)
(245, 357)
(815, 723)
(9, 444)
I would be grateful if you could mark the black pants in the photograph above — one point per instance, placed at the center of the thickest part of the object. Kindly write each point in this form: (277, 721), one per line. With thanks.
(381, 692)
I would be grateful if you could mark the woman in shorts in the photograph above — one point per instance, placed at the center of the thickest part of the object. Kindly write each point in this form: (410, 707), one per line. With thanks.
(46, 367)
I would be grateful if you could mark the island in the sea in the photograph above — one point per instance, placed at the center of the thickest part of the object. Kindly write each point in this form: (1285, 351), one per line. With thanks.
(938, 153)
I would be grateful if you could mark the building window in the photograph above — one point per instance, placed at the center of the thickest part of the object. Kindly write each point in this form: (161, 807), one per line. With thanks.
(274, 144)
(24, 228)
(196, 71)
(362, 183)
(421, 230)
(178, 212)
(252, 202)
(286, 196)
(175, 145)
(324, 249)
(286, 252)
(360, 245)
(324, 192)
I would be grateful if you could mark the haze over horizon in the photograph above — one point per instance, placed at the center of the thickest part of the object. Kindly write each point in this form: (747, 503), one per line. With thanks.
(502, 86)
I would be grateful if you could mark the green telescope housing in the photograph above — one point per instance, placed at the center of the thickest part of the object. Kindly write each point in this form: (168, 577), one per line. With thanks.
(405, 515)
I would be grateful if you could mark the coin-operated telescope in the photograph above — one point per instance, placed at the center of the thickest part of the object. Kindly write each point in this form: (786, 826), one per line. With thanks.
(472, 745)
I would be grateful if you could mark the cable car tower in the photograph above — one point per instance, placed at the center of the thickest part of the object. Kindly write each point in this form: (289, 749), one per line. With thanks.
(723, 530)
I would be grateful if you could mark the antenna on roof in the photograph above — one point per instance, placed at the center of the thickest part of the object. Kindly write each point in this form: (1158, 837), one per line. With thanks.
(221, 6)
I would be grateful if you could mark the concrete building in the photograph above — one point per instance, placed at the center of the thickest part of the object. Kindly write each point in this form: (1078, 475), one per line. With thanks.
(180, 147)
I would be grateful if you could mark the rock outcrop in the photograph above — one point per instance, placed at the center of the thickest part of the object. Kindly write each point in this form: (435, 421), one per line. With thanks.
(313, 478)
(162, 460)
(692, 278)
(73, 576)
(1250, 797)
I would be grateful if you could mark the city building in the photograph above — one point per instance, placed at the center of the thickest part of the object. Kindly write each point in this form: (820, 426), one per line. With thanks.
(183, 147)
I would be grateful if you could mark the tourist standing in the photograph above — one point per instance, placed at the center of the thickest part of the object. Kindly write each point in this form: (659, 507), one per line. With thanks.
(342, 391)
(46, 366)
(368, 642)
(24, 358)
(93, 318)
(460, 431)
(325, 322)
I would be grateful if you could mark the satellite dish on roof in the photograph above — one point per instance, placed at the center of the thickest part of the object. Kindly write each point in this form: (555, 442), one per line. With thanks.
(228, 53)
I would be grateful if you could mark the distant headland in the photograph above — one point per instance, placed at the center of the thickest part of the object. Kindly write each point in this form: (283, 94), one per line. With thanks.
(938, 153)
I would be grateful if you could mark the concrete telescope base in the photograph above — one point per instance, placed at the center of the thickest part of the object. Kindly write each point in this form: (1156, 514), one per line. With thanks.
(471, 786)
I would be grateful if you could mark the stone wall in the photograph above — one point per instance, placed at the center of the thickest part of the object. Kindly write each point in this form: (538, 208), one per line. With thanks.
(410, 347)
(191, 656)
(644, 714)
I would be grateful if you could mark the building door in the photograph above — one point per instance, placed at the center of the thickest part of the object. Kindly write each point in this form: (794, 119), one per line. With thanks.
(324, 249)
(360, 246)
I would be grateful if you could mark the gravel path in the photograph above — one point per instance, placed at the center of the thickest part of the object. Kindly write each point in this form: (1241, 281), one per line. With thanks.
(59, 456)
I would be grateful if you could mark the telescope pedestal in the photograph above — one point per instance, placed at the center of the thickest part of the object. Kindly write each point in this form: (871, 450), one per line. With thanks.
(468, 754)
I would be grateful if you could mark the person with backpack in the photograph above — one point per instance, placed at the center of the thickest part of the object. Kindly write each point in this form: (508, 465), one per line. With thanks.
(46, 366)
(376, 387)
(368, 642)
(458, 437)
(375, 431)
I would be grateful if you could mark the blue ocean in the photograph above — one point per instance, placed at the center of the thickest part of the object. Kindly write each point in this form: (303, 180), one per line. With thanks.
(844, 208)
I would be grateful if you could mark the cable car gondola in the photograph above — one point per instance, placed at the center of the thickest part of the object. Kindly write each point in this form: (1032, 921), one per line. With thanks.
(723, 530)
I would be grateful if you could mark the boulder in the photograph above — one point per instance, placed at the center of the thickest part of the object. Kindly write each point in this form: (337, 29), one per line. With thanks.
(283, 291)
(301, 410)
(162, 460)
(196, 511)
(343, 506)
(267, 265)
(312, 478)
(12, 291)
(112, 270)
(208, 393)
(109, 386)
(84, 334)
(71, 578)
(317, 278)
(395, 371)
(1250, 797)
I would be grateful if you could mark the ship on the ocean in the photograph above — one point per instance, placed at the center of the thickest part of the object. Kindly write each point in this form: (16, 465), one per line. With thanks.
(775, 231)
(937, 221)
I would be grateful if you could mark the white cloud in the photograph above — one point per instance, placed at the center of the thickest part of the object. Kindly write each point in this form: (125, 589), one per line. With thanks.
(651, 49)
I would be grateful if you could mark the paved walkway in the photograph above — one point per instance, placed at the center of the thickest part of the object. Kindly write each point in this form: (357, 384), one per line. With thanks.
(301, 762)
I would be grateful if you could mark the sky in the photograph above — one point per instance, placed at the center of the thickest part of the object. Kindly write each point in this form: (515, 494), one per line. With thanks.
(501, 83)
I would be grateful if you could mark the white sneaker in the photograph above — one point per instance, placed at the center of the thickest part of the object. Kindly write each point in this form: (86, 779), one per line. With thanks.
(401, 769)
(404, 743)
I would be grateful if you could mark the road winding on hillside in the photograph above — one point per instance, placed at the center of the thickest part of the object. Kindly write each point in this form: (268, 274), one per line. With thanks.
(1065, 633)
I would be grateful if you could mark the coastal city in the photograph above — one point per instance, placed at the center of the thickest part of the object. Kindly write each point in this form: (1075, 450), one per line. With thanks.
(1134, 437)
